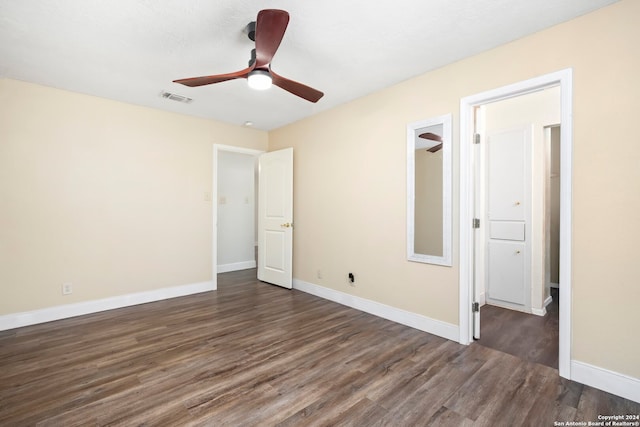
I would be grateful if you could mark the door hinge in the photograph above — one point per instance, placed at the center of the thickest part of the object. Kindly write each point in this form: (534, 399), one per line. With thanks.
(475, 307)
(476, 138)
(476, 223)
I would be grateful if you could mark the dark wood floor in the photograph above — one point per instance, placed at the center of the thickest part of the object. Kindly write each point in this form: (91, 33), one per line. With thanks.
(254, 354)
(530, 337)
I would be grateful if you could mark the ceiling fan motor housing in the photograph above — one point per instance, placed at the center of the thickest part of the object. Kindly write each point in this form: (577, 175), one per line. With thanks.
(251, 30)
(251, 33)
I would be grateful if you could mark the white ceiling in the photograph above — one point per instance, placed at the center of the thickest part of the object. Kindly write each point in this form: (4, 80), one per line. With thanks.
(131, 50)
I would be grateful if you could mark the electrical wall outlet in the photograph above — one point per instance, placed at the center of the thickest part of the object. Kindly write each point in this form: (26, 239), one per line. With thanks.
(67, 288)
(351, 279)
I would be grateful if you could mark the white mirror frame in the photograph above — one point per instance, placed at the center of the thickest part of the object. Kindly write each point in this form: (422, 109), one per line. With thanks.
(412, 128)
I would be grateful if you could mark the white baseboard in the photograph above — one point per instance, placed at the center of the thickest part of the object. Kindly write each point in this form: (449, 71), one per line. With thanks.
(542, 311)
(225, 268)
(17, 320)
(417, 321)
(603, 379)
(482, 299)
(539, 311)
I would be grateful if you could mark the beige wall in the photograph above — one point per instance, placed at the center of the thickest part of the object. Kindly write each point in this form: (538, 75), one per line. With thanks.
(106, 195)
(350, 183)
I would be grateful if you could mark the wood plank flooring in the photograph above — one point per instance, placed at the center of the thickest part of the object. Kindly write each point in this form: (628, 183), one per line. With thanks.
(252, 354)
(527, 336)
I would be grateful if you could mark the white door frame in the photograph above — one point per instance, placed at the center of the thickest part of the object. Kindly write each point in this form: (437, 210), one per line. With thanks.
(214, 198)
(564, 79)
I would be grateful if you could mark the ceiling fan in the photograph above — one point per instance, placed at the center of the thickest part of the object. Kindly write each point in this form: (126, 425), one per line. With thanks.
(267, 31)
(432, 137)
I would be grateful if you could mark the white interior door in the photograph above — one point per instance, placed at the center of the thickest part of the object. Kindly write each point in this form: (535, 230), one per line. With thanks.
(275, 217)
(508, 262)
(479, 207)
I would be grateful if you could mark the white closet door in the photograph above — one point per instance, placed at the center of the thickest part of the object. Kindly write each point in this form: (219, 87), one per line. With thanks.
(508, 202)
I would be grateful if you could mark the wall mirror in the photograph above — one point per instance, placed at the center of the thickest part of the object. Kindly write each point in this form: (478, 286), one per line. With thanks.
(429, 191)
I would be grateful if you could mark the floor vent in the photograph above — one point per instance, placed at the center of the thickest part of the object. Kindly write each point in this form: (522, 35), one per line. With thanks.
(174, 97)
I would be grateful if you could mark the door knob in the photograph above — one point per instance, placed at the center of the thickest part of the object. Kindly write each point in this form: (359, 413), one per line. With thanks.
(286, 225)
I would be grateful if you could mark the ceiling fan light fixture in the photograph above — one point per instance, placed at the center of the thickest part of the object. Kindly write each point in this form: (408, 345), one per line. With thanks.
(268, 32)
(259, 80)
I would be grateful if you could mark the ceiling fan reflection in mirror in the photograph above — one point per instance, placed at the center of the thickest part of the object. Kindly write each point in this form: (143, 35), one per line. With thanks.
(267, 32)
(432, 137)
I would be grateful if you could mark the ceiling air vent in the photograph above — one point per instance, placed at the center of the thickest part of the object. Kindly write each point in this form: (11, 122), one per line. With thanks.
(174, 97)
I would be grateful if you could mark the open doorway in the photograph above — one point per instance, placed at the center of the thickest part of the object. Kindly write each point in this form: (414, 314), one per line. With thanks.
(234, 197)
(470, 173)
(519, 313)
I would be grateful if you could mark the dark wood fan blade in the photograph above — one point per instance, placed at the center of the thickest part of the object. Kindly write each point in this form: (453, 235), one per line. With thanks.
(431, 136)
(207, 80)
(435, 148)
(298, 89)
(270, 27)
